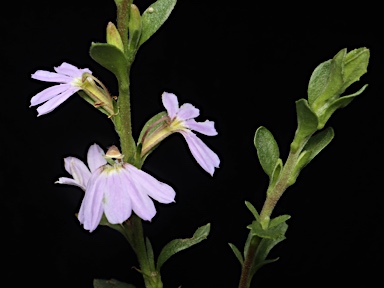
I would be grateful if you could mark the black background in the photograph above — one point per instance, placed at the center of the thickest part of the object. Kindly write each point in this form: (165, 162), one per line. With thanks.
(243, 64)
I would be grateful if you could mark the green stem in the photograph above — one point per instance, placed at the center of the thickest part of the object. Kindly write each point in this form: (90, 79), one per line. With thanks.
(123, 11)
(134, 234)
(246, 273)
(132, 228)
(123, 120)
(273, 196)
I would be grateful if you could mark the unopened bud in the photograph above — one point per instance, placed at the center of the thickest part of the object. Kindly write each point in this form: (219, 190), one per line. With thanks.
(113, 36)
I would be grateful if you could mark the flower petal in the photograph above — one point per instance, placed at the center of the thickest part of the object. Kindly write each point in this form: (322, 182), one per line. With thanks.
(91, 208)
(207, 127)
(78, 171)
(71, 70)
(207, 159)
(159, 191)
(69, 181)
(51, 77)
(188, 111)
(142, 205)
(170, 103)
(95, 157)
(116, 202)
(53, 103)
(49, 93)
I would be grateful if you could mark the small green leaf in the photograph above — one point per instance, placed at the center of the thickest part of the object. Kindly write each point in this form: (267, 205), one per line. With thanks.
(265, 247)
(178, 245)
(339, 103)
(331, 78)
(334, 84)
(318, 142)
(277, 220)
(306, 124)
(150, 256)
(319, 81)
(267, 150)
(275, 175)
(134, 28)
(155, 16)
(111, 58)
(253, 210)
(301, 162)
(274, 232)
(112, 283)
(355, 65)
(237, 253)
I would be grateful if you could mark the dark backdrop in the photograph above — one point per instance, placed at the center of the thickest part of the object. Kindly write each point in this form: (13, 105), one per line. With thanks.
(243, 64)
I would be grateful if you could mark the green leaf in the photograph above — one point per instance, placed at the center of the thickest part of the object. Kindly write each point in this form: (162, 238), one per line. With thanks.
(355, 65)
(274, 232)
(112, 283)
(334, 84)
(267, 150)
(155, 16)
(134, 28)
(178, 245)
(275, 175)
(150, 256)
(237, 253)
(313, 147)
(306, 124)
(339, 103)
(331, 78)
(265, 247)
(253, 210)
(301, 162)
(319, 80)
(278, 220)
(111, 58)
(318, 142)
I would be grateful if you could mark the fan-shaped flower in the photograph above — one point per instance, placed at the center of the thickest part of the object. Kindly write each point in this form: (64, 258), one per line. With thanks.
(70, 79)
(182, 120)
(114, 189)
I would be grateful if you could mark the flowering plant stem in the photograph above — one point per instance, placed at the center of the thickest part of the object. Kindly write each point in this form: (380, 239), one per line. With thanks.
(132, 229)
(273, 195)
(133, 232)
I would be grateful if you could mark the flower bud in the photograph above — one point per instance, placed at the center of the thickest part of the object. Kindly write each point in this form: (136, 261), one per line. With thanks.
(134, 27)
(113, 36)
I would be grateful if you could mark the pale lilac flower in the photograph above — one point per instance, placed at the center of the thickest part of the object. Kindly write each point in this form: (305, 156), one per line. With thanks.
(70, 79)
(182, 120)
(114, 190)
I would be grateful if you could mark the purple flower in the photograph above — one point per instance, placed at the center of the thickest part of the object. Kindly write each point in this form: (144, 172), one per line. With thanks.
(70, 79)
(182, 120)
(114, 189)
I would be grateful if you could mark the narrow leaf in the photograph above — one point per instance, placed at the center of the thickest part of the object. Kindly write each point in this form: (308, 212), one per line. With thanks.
(237, 253)
(267, 150)
(154, 17)
(253, 210)
(279, 219)
(339, 103)
(151, 259)
(318, 142)
(355, 65)
(178, 245)
(265, 247)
